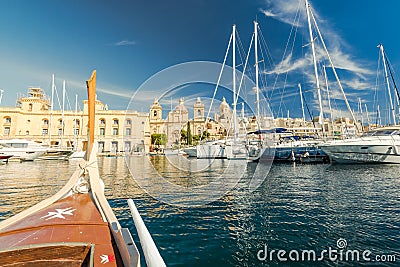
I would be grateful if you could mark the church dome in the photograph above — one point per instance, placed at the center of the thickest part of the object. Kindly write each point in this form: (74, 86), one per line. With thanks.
(224, 107)
(181, 107)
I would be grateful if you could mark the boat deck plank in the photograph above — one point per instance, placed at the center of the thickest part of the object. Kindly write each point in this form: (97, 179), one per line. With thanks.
(72, 219)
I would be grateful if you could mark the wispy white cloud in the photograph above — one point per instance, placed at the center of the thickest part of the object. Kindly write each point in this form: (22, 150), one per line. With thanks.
(287, 65)
(282, 10)
(356, 75)
(124, 43)
(285, 11)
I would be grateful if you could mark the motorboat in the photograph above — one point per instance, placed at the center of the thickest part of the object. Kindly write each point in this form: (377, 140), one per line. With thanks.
(22, 149)
(381, 145)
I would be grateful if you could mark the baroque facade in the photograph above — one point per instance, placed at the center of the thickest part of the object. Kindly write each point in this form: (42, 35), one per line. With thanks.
(178, 119)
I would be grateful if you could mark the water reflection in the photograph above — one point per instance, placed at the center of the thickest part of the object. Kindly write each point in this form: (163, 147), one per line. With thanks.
(296, 207)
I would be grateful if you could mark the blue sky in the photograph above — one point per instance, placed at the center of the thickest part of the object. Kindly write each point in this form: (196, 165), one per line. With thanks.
(129, 41)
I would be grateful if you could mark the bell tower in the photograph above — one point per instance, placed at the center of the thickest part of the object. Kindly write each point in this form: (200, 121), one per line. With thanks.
(198, 110)
(155, 111)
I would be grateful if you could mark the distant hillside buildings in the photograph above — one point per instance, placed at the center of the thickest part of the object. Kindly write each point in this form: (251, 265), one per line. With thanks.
(131, 131)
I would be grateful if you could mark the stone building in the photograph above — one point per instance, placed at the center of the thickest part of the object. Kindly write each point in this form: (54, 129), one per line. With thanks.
(33, 119)
(178, 118)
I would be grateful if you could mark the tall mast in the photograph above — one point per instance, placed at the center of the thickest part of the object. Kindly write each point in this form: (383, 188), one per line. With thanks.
(302, 103)
(360, 111)
(366, 111)
(387, 84)
(62, 115)
(91, 88)
(51, 107)
(234, 79)
(379, 119)
(321, 114)
(1, 95)
(76, 125)
(329, 98)
(256, 60)
(334, 70)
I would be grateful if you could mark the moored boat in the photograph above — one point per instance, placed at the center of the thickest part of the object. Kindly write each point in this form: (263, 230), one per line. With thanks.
(22, 149)
(56, 154)
(381, 145)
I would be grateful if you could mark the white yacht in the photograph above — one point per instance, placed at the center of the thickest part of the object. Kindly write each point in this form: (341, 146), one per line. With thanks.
(381, 145)
(22, 149)
(212, 149)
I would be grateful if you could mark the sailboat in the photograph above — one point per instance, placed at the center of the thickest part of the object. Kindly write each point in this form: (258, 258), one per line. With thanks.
(231, 147)
(295, 148)
(57, 152)
(76, 226)
(381, 145)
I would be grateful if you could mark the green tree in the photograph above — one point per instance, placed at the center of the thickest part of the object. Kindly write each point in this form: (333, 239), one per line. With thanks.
(183, 136)
(189, 134)
(158, 139)
(205, 135)
(196, 139)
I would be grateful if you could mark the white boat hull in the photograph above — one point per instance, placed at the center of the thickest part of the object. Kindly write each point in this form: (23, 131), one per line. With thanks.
(213, 150)
(25, 155)
(383, 149)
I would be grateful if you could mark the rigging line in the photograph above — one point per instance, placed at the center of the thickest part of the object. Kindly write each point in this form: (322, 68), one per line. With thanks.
(294, 25)
(287, 74)
(375, 104)
(58, 99)
(308, 110)
(219, 79)
(333, 68)
(297, 18)
(262, 41)
(391, 76)
(68, 103)
(243, 63)
(244, 69)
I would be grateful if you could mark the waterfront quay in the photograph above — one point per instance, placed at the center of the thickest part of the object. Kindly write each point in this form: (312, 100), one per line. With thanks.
(130, 131)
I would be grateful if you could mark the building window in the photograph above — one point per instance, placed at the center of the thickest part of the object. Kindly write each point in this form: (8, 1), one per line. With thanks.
(28, 121)
(114, 147)
(30, 107)
(115, 122)
(127, 147)
(198, 113)
(45, 131)
(27, 133)
(115, 131)
(101, 147)
(46, 122)
(142, 122)
(76, 131)
(102, 131)
(128, 122)
(60, 122)
(8, 119)
(7, 131)
(77, 123)
(60, 131)
(155, 113)
(128, 131)
(102, 122)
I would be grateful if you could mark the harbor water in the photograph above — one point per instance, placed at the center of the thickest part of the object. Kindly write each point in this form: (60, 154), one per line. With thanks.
(298, 207)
